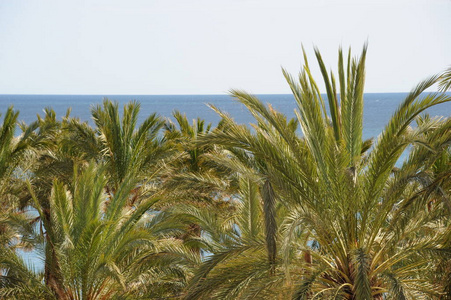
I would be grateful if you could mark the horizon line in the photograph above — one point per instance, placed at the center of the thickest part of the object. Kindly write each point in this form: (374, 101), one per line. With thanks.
(207, 94)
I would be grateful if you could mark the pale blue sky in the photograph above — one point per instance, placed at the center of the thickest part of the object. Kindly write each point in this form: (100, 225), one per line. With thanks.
(211, 46)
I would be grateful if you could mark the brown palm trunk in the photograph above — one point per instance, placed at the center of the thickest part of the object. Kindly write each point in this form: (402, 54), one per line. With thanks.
(52, 274)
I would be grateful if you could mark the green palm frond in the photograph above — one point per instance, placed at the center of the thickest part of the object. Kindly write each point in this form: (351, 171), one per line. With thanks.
(128, 152)
(361, 264)
(17, 279)
(445, 80)
(347, 215)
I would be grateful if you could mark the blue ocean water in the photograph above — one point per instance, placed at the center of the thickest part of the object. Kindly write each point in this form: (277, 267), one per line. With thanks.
(377, 111)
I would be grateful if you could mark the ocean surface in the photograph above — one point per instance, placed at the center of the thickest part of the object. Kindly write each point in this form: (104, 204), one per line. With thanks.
(377, 110)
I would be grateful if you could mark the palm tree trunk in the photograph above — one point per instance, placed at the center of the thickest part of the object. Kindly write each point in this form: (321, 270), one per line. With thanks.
(269, 212)
(51, 269)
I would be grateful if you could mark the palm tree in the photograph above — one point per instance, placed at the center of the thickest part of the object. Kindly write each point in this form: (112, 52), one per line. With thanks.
(230, 242)
(125, 149)
(192, 175)
(433, 180)
(16, 156)
(13, 153)
(100, 247)
(66, 148)
(128, 152)
(355, 229)
(247, 240)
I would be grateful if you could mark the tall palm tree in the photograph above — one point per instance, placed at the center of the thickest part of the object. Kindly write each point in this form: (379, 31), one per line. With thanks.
(127, 149)
(101, 248)
(130, 156)
(355, 230)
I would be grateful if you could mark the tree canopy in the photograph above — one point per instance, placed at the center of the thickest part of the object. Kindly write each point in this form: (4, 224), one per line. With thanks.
(301, 208)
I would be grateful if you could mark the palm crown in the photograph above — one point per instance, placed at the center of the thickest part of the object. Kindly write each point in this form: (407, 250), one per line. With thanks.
(351, 227)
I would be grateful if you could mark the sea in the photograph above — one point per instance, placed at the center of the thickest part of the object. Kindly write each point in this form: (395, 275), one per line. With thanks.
(378, 108)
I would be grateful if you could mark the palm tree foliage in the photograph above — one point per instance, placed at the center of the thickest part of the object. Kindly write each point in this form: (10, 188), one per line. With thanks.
(128, 152)
(192, 174)
(302, 208)
(100, 247)
(445, 80)
(355, 229)
(14, 151)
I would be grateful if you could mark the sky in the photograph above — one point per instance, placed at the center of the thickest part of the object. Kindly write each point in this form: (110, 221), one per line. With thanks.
(211, 46)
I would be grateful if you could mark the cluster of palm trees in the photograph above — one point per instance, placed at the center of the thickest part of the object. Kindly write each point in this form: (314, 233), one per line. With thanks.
(298, 208)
